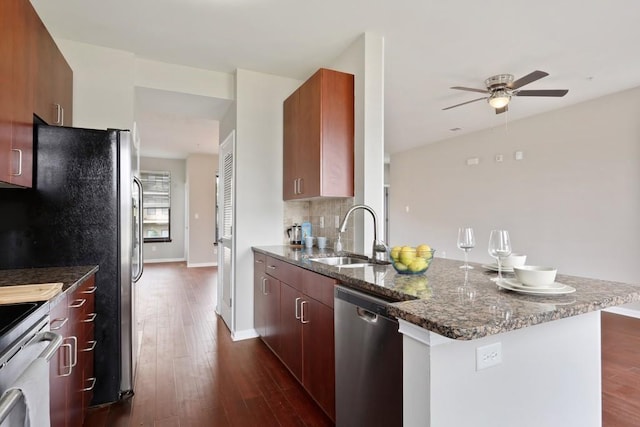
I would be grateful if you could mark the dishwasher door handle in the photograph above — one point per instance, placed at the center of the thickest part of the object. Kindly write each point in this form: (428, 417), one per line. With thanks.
(366, 315)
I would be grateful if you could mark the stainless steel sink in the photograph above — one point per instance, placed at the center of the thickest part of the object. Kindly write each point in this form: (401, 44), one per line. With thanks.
(342, 261)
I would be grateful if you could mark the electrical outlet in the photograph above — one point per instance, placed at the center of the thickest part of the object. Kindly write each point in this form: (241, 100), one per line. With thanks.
(488, 355)
(337, 221)
(321, 222)
(153, 248)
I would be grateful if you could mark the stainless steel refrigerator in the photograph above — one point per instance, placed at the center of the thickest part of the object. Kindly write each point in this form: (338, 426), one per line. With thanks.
(85, 209)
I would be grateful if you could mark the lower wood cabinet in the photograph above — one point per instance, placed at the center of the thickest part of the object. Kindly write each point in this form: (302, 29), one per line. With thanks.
(318, 354)
(266, 304)
(294, 316)
(71, 369)
(291, 329)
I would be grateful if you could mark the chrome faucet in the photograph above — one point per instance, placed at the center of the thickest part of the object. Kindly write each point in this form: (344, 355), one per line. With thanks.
(379, 253)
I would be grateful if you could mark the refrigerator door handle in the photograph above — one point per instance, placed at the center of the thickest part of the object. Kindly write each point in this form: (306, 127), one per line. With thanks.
(140, 236)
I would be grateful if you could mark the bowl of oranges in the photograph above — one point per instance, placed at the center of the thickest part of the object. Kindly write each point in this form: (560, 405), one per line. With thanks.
(410, 259)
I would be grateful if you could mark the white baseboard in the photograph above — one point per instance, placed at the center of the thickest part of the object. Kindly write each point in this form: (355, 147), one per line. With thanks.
(201, 264)
(244, 335)
(158, 260)
(630, 312)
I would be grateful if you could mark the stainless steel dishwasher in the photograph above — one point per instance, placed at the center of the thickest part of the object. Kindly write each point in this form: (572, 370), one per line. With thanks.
(368, 361)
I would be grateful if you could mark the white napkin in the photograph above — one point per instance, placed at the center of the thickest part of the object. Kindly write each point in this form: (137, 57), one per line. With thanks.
(33, 408)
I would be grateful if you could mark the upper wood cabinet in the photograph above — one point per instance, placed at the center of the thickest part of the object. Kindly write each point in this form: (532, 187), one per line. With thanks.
(318, 150)
(34, 77)
(54, 81)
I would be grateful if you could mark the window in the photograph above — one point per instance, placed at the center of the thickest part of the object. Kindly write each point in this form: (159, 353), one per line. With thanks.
(156, 206)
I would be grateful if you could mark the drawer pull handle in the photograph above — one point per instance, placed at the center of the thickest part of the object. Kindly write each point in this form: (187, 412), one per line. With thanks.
(93, 384)
(92, 345)
(75, 353)
(91, 290)
(303, 304)
(69, 358)
(90, 318)
(19, 173)
(78, 303)
(62, 323)
(259, 261)
(297, 310)
(271, 267)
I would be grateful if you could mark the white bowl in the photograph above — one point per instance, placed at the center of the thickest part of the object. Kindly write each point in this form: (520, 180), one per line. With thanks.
(513, 260)
(535, 276)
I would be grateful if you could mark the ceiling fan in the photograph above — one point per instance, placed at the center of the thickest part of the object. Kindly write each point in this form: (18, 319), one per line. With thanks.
(501, 87)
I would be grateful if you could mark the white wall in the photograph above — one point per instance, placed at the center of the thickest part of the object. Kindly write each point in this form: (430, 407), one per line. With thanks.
(365, 59)
(572, 202)
(174, 250)
(179, 78)
(103, 81)
(201, 184)
(258, 186)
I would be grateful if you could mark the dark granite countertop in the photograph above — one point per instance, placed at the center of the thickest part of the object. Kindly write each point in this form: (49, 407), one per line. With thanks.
(71, 277)
(442, 302)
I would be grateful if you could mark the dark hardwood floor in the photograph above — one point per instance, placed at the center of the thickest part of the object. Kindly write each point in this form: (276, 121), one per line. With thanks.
(192, 374)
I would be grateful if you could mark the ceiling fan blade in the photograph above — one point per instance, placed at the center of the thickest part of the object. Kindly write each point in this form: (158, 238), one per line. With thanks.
(502, 110)
(529, 78)
(464, 103)
(548, 92)
(470, 89)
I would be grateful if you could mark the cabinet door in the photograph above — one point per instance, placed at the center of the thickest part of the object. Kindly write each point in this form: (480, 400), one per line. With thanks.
(43, 103)
(7, 21)
(337, 130)
(62, 87)
(318, 353)
(53, 81)
(60, 365)
(259, 300)
(309, 138)
(290, 329)
(272, 313)
(23, 55)
(290, 120)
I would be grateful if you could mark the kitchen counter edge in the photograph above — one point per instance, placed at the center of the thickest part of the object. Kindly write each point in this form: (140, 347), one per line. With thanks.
(597, 295)
(70, 277)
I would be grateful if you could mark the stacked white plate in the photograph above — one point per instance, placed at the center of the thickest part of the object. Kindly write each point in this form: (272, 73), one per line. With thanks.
(553, 289)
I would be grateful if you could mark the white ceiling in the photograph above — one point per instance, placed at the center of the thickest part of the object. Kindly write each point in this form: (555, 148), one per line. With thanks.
(588, 47)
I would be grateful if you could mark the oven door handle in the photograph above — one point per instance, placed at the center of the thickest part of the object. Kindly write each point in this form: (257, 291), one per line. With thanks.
(13, 396)
(56, 342)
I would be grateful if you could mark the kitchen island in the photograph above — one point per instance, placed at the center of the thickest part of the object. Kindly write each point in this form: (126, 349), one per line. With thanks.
(475, 354)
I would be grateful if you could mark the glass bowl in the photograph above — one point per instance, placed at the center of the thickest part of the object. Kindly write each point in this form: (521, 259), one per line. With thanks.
(409, 260)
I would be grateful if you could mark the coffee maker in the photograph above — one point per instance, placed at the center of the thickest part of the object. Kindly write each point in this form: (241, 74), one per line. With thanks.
(295, 235)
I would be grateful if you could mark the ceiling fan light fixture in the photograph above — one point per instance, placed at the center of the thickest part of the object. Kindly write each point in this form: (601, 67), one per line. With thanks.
(499, 99)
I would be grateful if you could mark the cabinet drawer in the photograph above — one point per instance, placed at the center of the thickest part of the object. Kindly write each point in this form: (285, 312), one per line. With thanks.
(284, 272)
(318, 287)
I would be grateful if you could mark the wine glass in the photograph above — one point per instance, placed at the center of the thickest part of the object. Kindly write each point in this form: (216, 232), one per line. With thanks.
(466, 242)
(499, 247)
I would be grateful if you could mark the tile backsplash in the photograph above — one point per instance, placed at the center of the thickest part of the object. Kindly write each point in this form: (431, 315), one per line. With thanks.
(321, 213)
